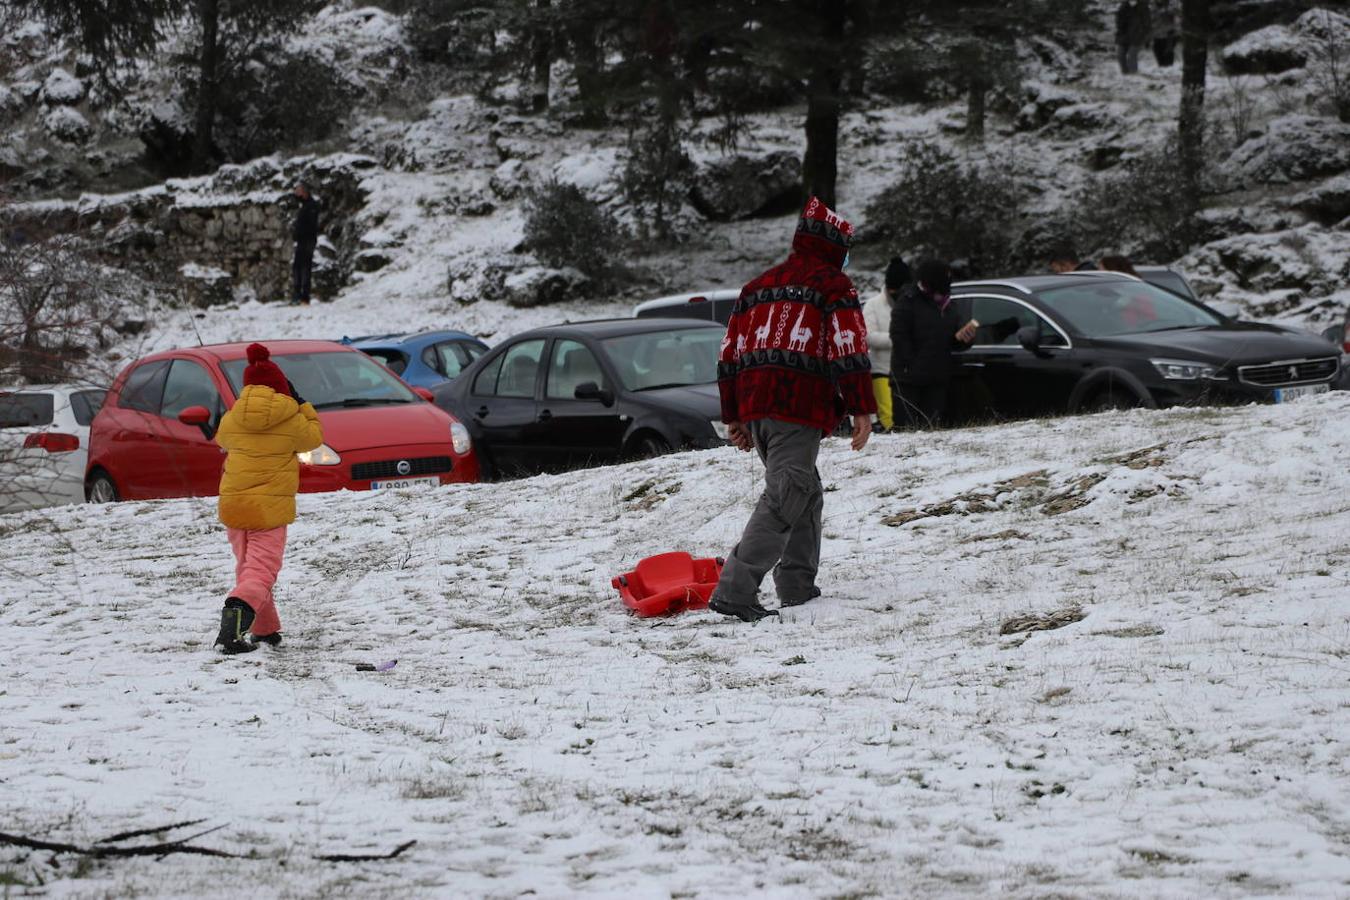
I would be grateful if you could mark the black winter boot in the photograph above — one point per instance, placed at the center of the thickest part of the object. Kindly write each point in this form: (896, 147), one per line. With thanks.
(815, 592)
(746, 612)
(235, 620)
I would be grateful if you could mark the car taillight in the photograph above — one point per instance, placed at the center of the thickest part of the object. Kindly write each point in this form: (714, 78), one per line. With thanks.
(52, 441)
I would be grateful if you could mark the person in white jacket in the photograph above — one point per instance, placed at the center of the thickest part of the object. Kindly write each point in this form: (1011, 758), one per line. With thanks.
(877, 317)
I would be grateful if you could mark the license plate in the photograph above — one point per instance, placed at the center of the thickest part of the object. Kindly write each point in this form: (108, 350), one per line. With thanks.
(395, 483)
(1284, 395)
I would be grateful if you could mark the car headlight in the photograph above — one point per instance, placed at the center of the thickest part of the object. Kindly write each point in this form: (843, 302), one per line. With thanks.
(1184, 369)
(720, 429)
(322, 455)
(459, 438)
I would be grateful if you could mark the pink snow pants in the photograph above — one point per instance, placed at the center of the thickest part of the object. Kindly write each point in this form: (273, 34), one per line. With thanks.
(257, 561)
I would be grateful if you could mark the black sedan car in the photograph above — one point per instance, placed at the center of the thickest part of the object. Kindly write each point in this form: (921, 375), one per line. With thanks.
(1086, 341)
(588, 393)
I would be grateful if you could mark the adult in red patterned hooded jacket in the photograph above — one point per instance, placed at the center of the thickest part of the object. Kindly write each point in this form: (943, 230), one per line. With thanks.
(793, 361)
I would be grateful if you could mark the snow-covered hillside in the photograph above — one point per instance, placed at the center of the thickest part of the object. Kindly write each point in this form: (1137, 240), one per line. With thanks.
(1183, 735)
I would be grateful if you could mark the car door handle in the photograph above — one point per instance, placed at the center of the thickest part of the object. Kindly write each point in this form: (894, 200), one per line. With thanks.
(545, 415)
(482, 412)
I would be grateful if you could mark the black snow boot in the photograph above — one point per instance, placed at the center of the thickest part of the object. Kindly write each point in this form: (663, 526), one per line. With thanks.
(271, 640)
(815, 592)
(746, 612)
(235, 620)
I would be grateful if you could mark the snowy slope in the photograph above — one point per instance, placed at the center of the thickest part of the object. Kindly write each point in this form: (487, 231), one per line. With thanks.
(1186, 738)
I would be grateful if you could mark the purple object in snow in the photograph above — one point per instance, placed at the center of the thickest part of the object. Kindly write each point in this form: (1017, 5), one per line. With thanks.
(386, 665)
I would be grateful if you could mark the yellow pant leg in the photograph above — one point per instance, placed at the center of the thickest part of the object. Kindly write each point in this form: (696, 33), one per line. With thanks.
(881, 387)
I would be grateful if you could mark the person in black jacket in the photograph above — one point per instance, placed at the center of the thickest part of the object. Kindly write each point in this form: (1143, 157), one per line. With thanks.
(305, 231)
(926, 326)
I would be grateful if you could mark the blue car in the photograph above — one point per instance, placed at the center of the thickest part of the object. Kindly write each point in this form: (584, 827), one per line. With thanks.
(425, 359)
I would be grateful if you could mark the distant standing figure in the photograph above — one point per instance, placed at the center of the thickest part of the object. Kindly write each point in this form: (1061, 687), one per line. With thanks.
(1139, 310)
(1064, 259)
(782, 396)
(1166, 33)
(926, 326)
(877, 315)
(305, 231)
(1132, 33)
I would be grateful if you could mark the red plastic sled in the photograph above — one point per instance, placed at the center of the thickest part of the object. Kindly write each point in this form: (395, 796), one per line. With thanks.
(669, 583)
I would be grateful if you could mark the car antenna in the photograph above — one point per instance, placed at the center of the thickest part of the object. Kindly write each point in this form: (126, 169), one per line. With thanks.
(193, 322)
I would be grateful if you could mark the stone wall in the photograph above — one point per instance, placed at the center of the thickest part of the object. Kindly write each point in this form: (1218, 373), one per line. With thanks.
(186, 234)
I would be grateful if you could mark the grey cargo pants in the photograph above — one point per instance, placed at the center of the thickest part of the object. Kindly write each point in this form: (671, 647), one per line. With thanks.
(784, 528)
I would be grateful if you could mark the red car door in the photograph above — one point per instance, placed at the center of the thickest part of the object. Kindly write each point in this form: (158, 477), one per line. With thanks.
(126, 430)
(189, 462)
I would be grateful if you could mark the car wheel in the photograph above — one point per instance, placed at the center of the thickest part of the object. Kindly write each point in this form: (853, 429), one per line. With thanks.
(101, 489)
(647, 445)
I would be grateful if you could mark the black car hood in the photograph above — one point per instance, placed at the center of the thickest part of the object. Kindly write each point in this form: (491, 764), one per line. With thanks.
(1238, 342)
(701, 400)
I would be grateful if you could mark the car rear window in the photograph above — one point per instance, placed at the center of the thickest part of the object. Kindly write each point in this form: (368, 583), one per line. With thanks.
(25, 410)
(86, 404)
(394, 359)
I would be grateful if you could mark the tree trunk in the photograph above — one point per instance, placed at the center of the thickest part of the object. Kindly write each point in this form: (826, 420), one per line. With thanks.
(542, 56)
(588, 69)
(208, 12)
(820, 164)
(1195, 29)
(975, 98)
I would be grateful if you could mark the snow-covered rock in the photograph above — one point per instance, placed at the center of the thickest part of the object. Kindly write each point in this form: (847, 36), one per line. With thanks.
(1293, 148)
(66, 124)
(204, 286)
(596, 172)
(1085, 117)
(1042, 102)
(745, 185)
(1306, 259)
(544, 286)
(1328, 202)
(62, 89)
(1273, 49)
(1326, 28)
(11, 104)
(509, 179)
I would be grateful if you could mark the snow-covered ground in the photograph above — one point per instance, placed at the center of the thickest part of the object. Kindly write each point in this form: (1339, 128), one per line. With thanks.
(1186, 738)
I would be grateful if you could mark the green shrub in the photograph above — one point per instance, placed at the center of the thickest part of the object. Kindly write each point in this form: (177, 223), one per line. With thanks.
(961, 211)
(564, 228)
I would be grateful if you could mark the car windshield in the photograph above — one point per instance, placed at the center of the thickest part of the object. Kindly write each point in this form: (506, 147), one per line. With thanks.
(1125, 307)
(672, 358)
(25, 410)
(332, 379)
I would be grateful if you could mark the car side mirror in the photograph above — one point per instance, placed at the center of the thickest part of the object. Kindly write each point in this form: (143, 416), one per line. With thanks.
(424, 394)
(589, 390)
(199, 416)
(1029, 336)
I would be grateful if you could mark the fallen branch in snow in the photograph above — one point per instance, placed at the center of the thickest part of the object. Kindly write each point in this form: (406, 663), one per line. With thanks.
(143, 850)
(366, 857)
(142, 832)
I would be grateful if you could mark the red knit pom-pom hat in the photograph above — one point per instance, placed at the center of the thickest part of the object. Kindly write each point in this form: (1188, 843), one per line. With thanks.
(261, 370)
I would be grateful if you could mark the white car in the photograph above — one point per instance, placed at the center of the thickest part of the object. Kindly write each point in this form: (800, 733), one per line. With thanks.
(44, 444)
(711, 306)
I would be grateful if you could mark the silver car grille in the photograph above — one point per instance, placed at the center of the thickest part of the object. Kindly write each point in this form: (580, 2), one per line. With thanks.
(1289, 372)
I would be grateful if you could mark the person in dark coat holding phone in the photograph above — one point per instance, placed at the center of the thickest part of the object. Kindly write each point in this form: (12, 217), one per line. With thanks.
(305, 231)
(926, 326)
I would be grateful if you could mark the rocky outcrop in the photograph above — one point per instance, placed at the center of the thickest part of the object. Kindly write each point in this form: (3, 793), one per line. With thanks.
(744, 186)
(1042, 102)
(1293, 148)
(544, 286)
(1271, 50)
(1328, 203)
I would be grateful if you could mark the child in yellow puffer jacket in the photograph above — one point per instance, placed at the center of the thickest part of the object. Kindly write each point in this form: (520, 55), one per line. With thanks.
(262, 432)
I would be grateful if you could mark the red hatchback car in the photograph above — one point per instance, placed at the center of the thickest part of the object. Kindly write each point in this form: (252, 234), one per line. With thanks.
(153, 436)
